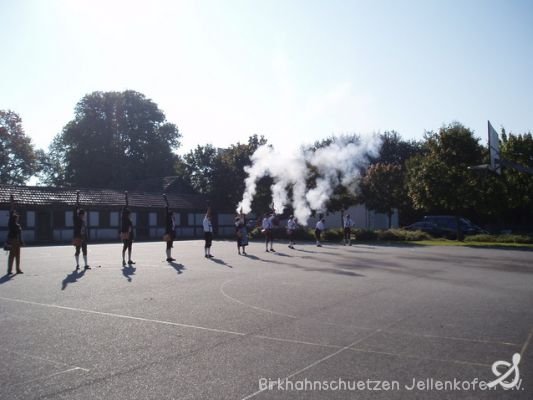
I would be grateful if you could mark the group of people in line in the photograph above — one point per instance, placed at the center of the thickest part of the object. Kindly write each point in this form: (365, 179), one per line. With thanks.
(80, 237)
(127, 235)
(269, 221)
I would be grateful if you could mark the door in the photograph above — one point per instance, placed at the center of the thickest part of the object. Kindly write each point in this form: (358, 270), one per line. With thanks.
(43, 229)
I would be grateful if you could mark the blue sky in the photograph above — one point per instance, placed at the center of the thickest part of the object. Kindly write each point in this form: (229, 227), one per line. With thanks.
(294, 71)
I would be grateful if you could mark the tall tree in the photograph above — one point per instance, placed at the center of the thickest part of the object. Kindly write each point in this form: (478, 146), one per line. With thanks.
(383, 189)
(115, 138)
(440, 180)
(395, 150)
(17, 154)
(200, 165)
(219, 173)
(519, 149)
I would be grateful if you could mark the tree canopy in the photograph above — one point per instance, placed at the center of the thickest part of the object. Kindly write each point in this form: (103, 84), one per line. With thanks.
(219, 173)
(115, 138)
(18, 158)
(383, 188)
(441, 179)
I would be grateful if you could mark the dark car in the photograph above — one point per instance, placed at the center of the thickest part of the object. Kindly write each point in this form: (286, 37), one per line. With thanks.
(428, 227)
(449, 223)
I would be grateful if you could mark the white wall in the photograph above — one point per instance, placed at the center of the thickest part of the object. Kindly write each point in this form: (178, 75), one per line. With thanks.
(361, 217)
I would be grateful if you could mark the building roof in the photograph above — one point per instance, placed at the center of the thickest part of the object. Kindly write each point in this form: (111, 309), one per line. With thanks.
(165, 184)
(40, 196)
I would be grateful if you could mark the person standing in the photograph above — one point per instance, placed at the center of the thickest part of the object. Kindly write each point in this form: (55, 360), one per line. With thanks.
(291, 228)
(80, 234)
(267, 226)
(242, 233)
(127, 236)
(14, 239)
(208, 233)
(347, 225)
(320, 227)
(170, 232)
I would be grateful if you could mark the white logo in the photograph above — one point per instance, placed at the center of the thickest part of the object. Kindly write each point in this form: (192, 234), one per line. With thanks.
(501, 377)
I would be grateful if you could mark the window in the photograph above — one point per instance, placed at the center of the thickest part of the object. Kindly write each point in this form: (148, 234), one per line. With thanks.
(94, 218)
(113, 218)
(30, 219)
(69, 219)
(153, 219)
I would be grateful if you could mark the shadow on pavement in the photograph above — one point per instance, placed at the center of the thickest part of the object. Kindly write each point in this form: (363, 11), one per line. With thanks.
(6, 278)
(221, 262)
(128, 272)
(72, 278)
(178, 267)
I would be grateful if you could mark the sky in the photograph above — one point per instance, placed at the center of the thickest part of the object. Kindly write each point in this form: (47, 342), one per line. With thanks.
(293, 71)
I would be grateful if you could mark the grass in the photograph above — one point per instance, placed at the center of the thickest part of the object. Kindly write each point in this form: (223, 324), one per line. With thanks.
(444, 242)
(400, 236)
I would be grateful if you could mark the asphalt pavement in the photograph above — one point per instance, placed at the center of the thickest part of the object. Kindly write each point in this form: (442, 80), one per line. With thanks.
(336, 322)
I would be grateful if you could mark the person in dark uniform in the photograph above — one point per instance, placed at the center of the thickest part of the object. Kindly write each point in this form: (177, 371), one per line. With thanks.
(127, 235)
(80, 236)
(14, 239)
(170, 233)
(242, 233)
(208, 233)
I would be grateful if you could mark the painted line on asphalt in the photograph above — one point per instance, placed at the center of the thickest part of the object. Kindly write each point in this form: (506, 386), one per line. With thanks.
(453, 338)
(170, 323)
(107, 314)
(332, 346)
(526, 344)
(221, 289)
(223, 292)
(314, 363)
(20, 353)
(400, 355)
(48, 376)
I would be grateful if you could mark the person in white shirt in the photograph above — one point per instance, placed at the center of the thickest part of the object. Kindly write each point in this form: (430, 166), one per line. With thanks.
(208, 234)
(291, 227)
(267, 230)
(320, 227)
(347, 225)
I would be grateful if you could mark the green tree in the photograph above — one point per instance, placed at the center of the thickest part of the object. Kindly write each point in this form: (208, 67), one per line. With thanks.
(395, 150)
(382, 188)
(114, 139)
(18, 157)
(519, 185)
(229, 176)
(200, 165)
(440, 180)
(219, 173)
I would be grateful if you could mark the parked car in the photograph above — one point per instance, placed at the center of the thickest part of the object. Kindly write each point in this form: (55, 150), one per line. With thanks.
(449, 222)
(445, 225)
(428, 227)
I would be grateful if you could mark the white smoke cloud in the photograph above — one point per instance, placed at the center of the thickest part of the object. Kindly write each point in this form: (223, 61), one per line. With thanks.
(335, 164)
